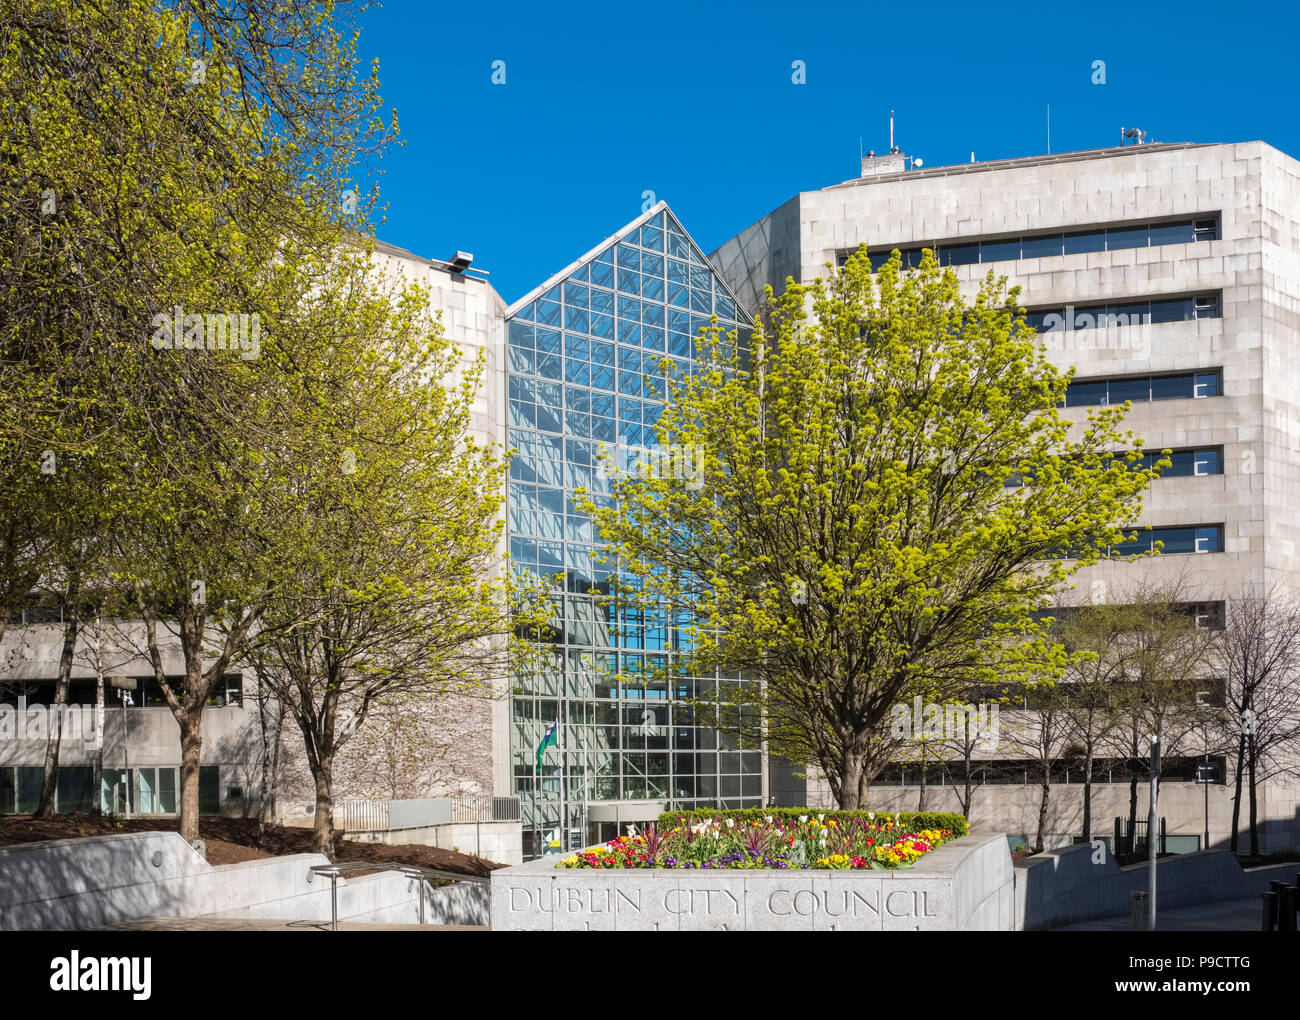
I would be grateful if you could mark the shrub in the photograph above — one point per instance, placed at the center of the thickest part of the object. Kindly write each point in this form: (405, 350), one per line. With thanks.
(913, 821)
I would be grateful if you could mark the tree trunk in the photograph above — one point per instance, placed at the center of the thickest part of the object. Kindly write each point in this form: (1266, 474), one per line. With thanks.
(1042, 807)
(1132, 796)
(1087, 794)
(99, 720)
(322, 836)
(851, 770)
(54, 738)
(270, 759)
(968, 791)
(191, 749)
(1238, 774)
(1252, 752)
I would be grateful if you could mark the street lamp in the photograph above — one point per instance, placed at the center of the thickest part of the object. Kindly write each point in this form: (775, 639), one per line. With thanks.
(124, 685)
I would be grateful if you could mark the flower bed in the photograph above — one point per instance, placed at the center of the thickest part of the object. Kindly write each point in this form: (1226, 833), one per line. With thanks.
(825, 841)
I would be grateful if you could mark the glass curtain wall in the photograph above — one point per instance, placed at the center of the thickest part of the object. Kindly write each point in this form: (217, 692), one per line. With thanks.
(578, 353)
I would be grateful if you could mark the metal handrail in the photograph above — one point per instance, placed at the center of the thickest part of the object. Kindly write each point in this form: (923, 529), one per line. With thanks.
(410, 870)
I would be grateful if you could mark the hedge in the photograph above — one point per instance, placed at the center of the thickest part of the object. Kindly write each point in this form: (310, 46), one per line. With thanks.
(914, 821)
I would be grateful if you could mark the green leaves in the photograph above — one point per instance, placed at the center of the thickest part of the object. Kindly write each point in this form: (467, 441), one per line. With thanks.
(857, 452)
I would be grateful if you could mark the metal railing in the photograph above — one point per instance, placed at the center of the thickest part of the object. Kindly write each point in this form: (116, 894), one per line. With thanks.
(483, 807)
(361, 815)
(385, 815)
(333, 871)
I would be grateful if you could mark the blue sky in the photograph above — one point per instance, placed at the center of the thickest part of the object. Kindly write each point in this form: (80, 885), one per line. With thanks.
(694, 101)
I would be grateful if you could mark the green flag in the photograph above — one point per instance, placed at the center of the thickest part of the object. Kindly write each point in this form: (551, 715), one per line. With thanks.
(549, 739)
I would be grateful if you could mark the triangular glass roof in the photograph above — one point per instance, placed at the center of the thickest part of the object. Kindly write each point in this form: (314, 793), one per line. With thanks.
(672, 254)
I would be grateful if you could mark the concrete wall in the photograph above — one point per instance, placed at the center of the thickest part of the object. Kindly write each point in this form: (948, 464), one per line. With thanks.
(964, 885)
(1013, 809)
(500, 842)
(83, 883)
(1067, 885)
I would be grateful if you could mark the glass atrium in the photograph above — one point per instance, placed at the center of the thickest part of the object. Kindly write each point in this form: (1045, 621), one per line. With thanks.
(578, 347)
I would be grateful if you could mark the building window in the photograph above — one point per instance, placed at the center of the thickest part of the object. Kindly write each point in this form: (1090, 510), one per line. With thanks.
(1172, 540)
(1050, 243)
(1129, 312)
(1142, 388)
(1186, 463)
(209, 790)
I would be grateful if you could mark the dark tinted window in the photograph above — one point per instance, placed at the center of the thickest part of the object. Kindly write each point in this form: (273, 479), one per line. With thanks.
(1172, 233)
(1089, 317)
(1170, 387)
(1161, 387)
(1171, 310)
(1206, 306)
(1083, 394)
(1207, 462)
(1088, 240)
(1046, 320)
(1132, 314)
(1041, 247)
(1207, 385)
(1127, 237)
(1136, 390)
(997, 251)
(960, 254)
(1177, 540)
(1046, 245)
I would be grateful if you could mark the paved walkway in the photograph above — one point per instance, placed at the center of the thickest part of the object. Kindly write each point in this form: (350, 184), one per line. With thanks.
(260, 924)
(1225, 915)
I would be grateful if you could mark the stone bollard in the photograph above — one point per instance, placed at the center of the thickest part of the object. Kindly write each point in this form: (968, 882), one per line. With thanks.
(1286, 903)
(1269, 919)
(1138, 921)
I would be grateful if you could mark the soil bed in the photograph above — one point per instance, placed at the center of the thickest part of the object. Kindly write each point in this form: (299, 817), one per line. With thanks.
(233, 840)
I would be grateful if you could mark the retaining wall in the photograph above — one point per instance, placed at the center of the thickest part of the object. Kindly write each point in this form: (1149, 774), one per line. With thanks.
(1078, 883)
(963, 885)
(84, 883)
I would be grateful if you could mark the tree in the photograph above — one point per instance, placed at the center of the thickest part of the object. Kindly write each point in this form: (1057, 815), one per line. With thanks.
(974, 737)
(1091, 708)
(190, 156)
(859, 537)
(1037, 734)
(1165, 656)
(1257, 656)
(387, 585)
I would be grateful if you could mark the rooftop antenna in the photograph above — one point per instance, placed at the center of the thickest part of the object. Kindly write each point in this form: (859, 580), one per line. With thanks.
(892, 147)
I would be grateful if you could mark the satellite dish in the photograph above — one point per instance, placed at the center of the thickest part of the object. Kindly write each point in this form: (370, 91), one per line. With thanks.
(917, 163)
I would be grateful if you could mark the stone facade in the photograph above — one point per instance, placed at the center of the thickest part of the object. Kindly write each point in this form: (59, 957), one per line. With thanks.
(1253, 266)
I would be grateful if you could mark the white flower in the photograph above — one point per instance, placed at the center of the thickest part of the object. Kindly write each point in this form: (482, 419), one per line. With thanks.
(825, 833)
(803, 819)
(871, 816)
(631, 830)
(769, 819)
(820, 817)
(731, 823)
(822, 843)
